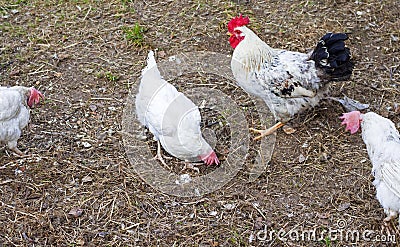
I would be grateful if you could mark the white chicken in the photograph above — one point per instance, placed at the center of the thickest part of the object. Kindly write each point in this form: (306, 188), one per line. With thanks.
(383, 145)
(14, 113)
(171, 117)
(289, 82)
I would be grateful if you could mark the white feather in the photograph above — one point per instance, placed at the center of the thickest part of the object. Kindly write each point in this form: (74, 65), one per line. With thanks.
(14, 114)
(173, 119)
(383, 145)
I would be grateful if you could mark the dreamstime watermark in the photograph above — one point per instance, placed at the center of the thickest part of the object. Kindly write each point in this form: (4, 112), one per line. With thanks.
(211, 96)
(339, 233)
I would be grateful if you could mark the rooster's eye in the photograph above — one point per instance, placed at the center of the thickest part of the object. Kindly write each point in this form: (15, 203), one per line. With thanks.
(237, 33)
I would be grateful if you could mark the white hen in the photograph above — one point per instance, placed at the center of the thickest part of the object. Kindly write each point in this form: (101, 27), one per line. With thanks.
(383, 145)
(171, 117)
(14, 113)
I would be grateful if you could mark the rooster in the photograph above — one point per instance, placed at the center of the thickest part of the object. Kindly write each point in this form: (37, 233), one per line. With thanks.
(383, 145)
(14, 113)
(171, 117)
(289, 82)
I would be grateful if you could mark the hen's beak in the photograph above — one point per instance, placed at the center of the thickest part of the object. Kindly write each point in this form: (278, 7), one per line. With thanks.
(230, 34)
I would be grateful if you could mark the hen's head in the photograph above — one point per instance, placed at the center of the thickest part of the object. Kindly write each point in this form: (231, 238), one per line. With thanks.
(352, 121)
(34, 97)
(210, 158)
(236, 35)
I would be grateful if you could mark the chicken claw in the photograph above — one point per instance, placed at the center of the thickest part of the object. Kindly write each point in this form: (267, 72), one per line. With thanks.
(159, 155)
(266, 132)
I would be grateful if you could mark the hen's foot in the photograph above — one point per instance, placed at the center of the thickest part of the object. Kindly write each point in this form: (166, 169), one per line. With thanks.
(159, 155)
(266, 132)
(17, 151)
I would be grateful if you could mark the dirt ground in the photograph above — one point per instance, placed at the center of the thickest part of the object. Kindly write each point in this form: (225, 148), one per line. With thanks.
(77, 186)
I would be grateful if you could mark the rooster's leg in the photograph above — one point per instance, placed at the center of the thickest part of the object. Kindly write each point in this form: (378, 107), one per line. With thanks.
(267, 132)
(159, 155)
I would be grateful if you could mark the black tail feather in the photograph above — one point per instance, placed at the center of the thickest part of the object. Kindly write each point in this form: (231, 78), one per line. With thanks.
(333, 57)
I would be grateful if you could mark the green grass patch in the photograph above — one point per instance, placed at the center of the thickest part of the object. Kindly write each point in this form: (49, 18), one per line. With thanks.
(134, 34)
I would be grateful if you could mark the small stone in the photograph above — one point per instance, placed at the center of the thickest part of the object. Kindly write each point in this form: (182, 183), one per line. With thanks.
(213, 213)
(302, 158)
(86, 144)
(343, 206)
(229, 206)
(92, 107)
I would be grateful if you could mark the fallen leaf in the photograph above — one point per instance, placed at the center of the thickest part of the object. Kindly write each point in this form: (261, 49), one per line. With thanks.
(288, 130)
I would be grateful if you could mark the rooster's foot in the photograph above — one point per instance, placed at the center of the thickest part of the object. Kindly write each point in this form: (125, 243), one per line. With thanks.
(266, 132)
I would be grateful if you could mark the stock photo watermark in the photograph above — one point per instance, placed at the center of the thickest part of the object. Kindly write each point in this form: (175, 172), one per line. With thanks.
(340, 233)
(212, 97)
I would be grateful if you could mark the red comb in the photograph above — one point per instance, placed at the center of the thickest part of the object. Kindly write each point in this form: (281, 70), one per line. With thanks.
(34, 97)
(352, 121)
(238, 22)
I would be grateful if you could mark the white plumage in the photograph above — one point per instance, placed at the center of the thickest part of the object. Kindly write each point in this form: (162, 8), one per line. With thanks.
(14, 113)
(383, 145)
(171, 117)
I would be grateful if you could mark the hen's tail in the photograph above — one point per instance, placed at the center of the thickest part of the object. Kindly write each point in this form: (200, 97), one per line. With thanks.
(151, 63)
(333, 57)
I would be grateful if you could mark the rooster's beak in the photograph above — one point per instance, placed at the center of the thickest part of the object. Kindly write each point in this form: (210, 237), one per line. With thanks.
(228, 33)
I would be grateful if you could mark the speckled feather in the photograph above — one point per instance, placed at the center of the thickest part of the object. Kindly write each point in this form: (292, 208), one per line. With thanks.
(289, 82)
